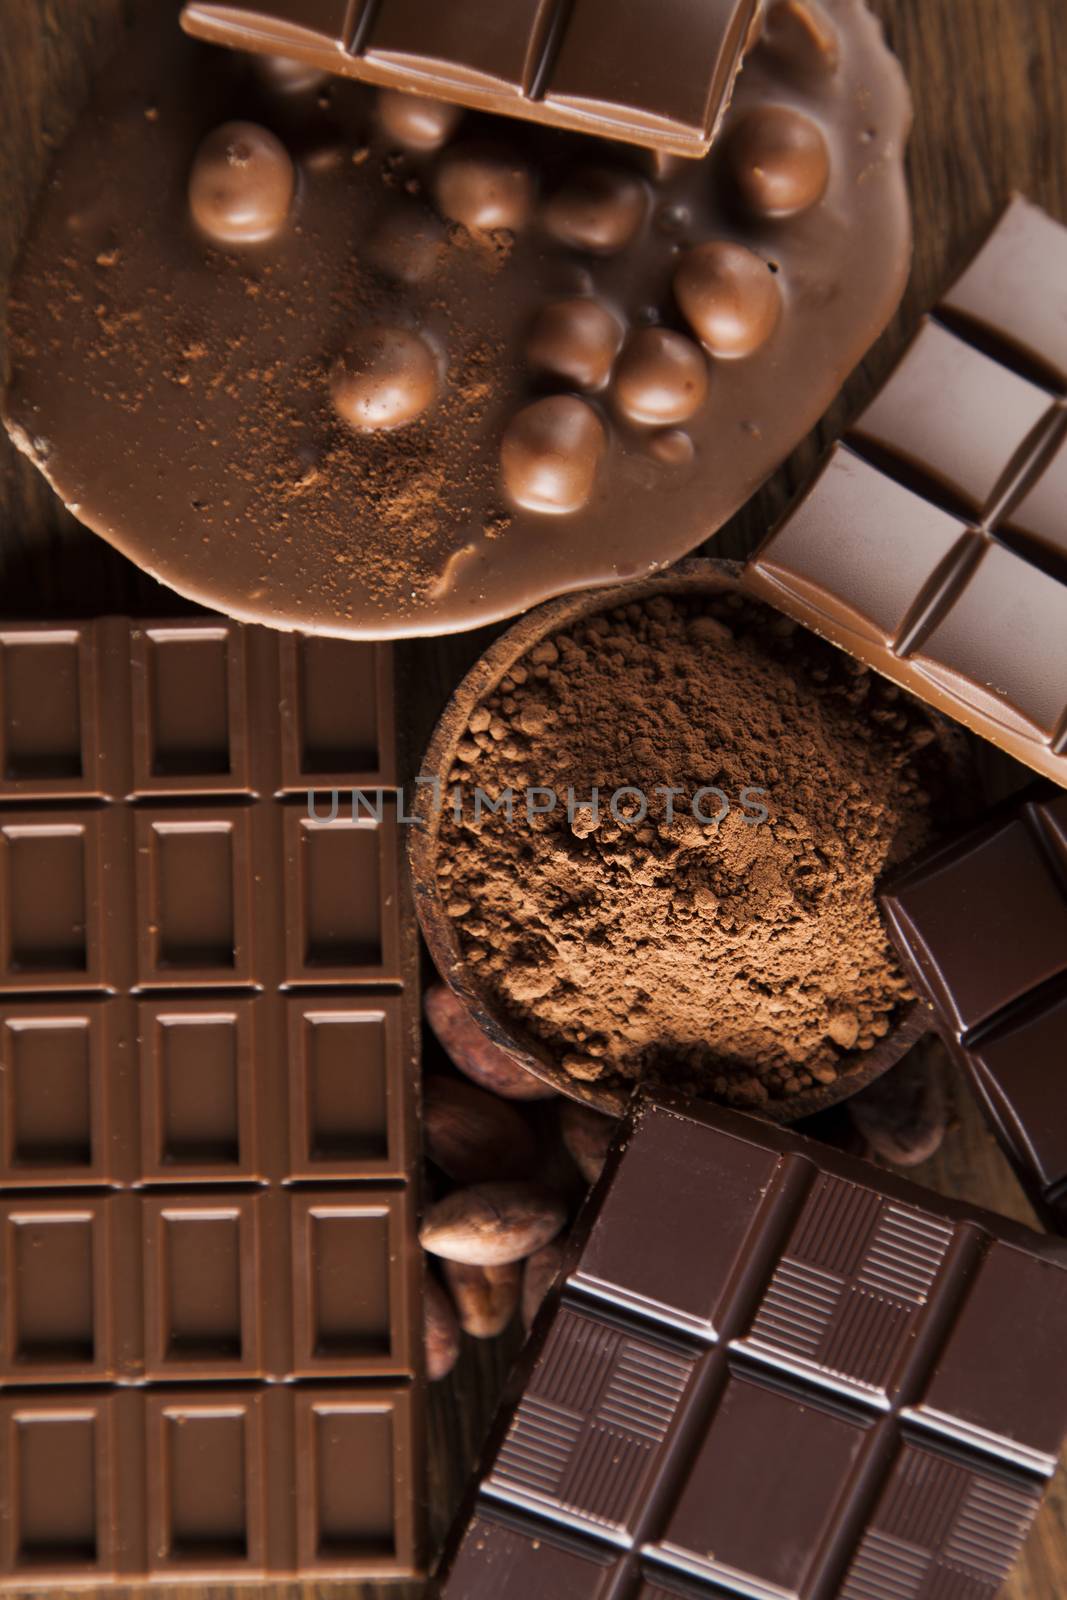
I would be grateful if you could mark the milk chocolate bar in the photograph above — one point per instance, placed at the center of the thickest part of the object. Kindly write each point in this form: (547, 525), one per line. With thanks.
(656, 74)
(210, 1356)
(933, 546)
(197, 1482)
(981, 927)
(793, 1375)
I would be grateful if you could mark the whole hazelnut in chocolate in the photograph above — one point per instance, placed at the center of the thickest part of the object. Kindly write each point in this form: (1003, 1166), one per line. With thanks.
(577, 340)
(672, 448)
(241, 184)
(287, 76)
(729, 297)
(661, 378)
(800, 35)
(414, 122)
(384, 378)
(550, 454)
(597, 210)
(483, 190)
(779, 161)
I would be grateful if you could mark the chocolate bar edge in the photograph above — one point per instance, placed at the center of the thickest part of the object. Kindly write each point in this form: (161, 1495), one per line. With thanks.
(218, 24)
(744, 1127)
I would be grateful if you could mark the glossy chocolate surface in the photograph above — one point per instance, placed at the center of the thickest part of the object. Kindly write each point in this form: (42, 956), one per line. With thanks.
(933, 545)
(981, 926)
(203, 1481)
(654, 74)
(208, 1048)
(318, 310)
(794, 1375)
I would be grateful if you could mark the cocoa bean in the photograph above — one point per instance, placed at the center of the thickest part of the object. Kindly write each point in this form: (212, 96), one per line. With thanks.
(539, 1274)
(486, 1298)
(473, 1136)
(440, 1331)
(587, 1135)
(490, 1224)
(474, 1053)
(903, 1116)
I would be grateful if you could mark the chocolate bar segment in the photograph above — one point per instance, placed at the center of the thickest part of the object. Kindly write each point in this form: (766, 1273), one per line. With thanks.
(210, 1351)
(206, 1482)
(933, 545)
(850, 1397)
(981, 926)
(653, 74)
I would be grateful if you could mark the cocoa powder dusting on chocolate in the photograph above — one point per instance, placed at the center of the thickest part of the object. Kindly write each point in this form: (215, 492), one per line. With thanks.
(746, 960)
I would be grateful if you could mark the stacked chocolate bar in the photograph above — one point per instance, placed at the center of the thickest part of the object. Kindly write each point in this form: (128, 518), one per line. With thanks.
(210, 1348)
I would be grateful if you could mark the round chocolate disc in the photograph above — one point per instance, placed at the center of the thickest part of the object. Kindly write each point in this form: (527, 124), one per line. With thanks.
(337, 359)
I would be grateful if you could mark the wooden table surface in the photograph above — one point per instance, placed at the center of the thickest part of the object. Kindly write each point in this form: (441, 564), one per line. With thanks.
(988, 79)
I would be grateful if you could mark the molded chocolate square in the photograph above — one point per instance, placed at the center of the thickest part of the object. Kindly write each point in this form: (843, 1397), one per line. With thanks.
(951, 418)
(60, 1105)
(860, 549)
(942, 1528)
(356, 1459)
(190, 710)
(981, 1391)
(499, 1553)
(1036, 525)
(754, 1470)
(194, 896)
(688, 54)
(353, 1291)
(340, 892)
(985, 922)
(50, 734)
(294, 25)
(57, 1483)
(52, 914)
(348, 1066)
(1015, 290)
(755, 1517)
(337, 724)
(1001, 648)
(594, 1426)
(846, 1300)
(201, 1064)
(694, 1246)
(207, 1509)
(71, 1281)
(1020, 1072)
(208, 1291)
(494, 45)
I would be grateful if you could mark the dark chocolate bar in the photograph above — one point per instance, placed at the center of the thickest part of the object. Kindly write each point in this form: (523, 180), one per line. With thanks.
(981, 926)
(653, 72)
(789, 1376)
(933, 545)
(208, 1027)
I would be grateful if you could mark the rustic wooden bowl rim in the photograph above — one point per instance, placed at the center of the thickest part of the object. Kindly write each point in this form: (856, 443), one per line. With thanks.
(705, 575)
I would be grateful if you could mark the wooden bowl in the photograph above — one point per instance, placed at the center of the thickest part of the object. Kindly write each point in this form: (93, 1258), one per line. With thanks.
(696, 577)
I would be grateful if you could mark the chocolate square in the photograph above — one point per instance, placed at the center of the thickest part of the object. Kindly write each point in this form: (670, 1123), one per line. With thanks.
(1002, 647)
(879, 1414)
(1008, 290)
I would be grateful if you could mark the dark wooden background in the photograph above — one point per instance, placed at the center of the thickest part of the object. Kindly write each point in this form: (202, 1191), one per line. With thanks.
(989, 81)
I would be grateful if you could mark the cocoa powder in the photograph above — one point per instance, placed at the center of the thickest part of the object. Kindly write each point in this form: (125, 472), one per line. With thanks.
(746, 959)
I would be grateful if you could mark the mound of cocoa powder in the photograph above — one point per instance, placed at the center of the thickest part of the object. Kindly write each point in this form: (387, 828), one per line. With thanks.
(744, 959)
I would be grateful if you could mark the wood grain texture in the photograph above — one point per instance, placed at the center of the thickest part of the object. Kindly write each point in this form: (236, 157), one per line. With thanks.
(988, 79)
